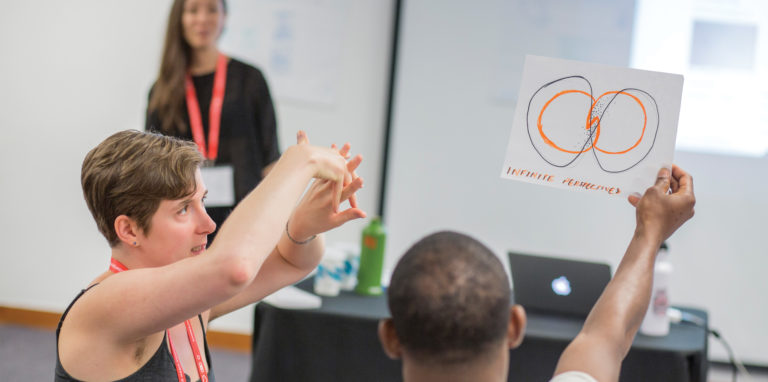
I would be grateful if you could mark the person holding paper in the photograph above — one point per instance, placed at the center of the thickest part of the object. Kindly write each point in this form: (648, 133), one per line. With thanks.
(145, 318)
(221, 103)
(450, 301)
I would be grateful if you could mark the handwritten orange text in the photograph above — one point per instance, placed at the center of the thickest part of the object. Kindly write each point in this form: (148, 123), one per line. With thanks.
(591, 186)
(530, 174)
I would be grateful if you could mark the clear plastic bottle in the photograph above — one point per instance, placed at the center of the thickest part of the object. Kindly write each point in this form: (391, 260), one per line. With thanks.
(656, 321)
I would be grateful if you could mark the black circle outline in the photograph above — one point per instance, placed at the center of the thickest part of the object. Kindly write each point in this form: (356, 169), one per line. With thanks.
(590, 139)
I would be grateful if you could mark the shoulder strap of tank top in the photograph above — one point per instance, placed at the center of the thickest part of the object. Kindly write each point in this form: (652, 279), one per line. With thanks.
(61, 320)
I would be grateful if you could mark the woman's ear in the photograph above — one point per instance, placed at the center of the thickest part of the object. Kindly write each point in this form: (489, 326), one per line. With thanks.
(127, 230)
(516, 326)
(389, 341)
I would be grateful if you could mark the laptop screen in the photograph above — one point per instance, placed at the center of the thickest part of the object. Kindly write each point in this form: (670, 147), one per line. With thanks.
(557, 286)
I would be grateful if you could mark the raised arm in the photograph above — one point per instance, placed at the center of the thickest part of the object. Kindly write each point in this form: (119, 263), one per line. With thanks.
(611, 326)
(131, 305)
(298, 254)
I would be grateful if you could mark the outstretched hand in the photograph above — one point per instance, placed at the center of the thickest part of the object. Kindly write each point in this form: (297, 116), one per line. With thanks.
(351, 166)
(318, 211)
(666, 205)
(328, 164)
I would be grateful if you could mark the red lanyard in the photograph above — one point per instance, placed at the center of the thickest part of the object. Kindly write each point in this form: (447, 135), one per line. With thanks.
(117, 267)
(211, 151)
(198, 358)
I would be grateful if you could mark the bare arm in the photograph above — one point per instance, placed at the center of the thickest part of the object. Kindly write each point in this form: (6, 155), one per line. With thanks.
(265, 171)
(613, 322)
(276, 272)
(290, 261)
(141, 302)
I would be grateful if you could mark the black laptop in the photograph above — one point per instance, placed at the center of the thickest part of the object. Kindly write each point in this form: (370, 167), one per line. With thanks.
(557, 286)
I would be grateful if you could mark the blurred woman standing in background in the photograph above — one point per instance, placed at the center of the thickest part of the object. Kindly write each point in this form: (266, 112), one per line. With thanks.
(223, 104)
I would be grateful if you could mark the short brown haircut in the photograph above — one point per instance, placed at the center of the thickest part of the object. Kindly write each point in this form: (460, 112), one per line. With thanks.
(131, 172)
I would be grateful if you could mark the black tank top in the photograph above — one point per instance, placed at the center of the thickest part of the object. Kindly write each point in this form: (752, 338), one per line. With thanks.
(159, 368)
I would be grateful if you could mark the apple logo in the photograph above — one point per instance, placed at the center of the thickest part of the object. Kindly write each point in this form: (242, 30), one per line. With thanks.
(561, 286)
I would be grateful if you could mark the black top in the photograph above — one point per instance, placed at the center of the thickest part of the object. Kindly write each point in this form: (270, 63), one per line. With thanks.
(159, 368)
(248, 135)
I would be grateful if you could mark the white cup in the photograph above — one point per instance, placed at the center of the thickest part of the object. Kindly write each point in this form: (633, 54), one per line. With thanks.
(351, 264)
(329, 273)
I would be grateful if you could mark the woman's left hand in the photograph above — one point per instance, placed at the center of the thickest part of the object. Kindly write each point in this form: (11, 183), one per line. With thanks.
(315, 212)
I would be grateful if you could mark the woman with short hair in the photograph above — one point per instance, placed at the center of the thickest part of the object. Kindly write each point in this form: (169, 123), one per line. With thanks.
(145, 318)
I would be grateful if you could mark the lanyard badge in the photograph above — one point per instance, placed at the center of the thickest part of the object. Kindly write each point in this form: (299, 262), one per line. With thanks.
(219, 179)
(209, 149)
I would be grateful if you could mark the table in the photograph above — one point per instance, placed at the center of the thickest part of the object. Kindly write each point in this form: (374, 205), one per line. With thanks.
(339, 342)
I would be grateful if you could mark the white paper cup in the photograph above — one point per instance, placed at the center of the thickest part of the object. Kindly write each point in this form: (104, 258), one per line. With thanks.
(350, 254)
(329, 273)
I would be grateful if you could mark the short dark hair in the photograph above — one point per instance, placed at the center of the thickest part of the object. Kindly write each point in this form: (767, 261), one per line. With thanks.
(131, 172)
(449, 297)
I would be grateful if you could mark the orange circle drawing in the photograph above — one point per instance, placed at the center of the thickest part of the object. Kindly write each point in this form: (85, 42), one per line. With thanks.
(541, 128)
(642, 133)
(590, 123)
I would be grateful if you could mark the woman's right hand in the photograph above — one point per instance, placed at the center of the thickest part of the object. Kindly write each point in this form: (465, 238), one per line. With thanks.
(329, 164)
(316, 212)
(326, 163)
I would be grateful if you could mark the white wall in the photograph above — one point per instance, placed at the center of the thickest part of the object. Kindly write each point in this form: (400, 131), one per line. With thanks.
(74, 72)
(449, 137)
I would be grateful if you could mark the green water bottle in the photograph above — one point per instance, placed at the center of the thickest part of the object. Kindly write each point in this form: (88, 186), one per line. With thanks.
(371, 259)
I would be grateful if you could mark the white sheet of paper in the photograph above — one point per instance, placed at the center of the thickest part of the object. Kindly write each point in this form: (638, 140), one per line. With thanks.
(592, 127)
(220, 181)
(291, 297)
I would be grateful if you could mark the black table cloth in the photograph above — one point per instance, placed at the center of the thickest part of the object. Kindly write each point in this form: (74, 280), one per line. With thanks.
(339, 342)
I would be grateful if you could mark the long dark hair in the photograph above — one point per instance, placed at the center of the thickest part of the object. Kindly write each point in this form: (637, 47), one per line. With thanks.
(167, 98)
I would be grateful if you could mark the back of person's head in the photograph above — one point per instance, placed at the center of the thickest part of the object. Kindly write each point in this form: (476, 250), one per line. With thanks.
(131, 172)
(450, 300)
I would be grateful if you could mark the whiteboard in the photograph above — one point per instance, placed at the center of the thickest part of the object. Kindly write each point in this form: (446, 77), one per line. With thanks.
(327, 65)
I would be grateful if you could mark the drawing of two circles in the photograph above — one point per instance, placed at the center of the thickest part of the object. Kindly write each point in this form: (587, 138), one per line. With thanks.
(566, 119)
